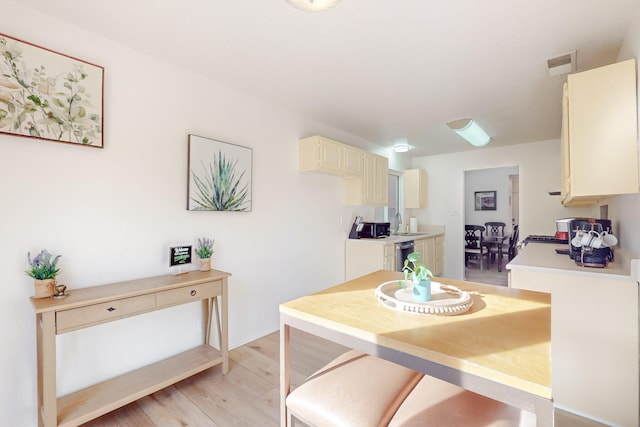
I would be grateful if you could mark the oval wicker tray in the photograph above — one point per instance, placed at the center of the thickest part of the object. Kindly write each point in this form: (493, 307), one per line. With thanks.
(446, 300)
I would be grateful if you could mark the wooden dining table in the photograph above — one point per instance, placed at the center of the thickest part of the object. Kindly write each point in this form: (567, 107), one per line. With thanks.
(499, 348)
(498, 239)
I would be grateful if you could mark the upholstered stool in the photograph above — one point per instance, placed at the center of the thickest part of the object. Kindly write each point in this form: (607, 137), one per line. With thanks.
(434, 402)
(355, 389)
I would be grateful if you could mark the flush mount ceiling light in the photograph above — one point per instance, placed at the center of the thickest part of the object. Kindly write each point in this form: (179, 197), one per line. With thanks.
(401, 146)
(469, 130)
(313, 5)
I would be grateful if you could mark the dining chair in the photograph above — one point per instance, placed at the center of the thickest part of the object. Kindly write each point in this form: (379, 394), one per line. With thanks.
(508, 248)
(474, 246)
(495, 227)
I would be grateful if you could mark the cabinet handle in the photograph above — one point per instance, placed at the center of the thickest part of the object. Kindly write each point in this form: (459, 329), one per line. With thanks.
(193, 293)
(110, 309)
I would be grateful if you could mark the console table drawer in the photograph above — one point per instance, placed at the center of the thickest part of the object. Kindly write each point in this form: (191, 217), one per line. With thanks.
(76, 318)
(189, 293)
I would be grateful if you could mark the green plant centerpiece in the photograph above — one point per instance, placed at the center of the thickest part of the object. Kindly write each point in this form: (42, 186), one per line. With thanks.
(44, 269)
(204, 252)
(420, 276)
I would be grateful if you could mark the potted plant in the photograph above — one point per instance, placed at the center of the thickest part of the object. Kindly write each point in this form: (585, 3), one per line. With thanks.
(420, 276)
(204, 252)
(44, 270)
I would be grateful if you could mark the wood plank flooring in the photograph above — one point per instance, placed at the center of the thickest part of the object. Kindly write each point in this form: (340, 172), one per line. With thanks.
(248, 395)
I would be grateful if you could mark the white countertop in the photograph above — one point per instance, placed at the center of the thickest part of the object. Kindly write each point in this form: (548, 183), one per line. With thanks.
(542, 256)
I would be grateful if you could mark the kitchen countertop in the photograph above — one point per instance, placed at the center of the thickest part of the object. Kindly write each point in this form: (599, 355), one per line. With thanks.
(399, 238)
(542, 256)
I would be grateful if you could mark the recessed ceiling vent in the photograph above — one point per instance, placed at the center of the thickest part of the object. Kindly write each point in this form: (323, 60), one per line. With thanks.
(562, 64)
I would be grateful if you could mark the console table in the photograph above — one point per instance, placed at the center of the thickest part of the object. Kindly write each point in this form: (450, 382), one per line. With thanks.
(87, 307)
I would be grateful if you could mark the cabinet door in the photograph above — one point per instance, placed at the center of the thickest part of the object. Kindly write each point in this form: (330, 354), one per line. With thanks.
(382, 181)
(370, 175)
(415, 188)
(330, 155)
(421, 247)
(352, 161)
(602, 132)
(439, 266)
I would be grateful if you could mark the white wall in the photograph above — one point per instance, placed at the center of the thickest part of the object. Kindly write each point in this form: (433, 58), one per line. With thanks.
(539, 171)
(495, 179)
(112, 213)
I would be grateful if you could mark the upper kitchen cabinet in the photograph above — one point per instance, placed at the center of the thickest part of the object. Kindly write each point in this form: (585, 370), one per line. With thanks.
(415, 188)
(599, 143)
(320, 154)
(370, 188)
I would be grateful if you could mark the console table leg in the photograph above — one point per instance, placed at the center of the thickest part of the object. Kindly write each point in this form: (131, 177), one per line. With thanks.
(46, 336)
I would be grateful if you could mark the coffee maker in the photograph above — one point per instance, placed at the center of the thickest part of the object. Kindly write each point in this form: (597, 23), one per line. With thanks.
(590, 257)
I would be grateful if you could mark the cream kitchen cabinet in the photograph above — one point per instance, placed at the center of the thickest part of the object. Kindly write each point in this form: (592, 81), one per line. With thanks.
(431, 251)
(599, 149)
(370, 188)
(439, 265)
(415, 188)
(320, 154)
(366, 256)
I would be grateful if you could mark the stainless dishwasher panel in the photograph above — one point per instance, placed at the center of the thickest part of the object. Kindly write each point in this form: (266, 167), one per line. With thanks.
(402, 250)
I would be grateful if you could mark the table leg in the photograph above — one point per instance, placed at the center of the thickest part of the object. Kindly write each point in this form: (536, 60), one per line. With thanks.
(500, 256)
(285, 379)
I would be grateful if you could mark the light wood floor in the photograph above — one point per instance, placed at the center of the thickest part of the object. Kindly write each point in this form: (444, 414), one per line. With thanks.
(248, 395)
(489, 275)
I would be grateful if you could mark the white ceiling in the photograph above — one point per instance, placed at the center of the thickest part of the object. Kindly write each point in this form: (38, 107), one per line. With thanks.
(378, 69)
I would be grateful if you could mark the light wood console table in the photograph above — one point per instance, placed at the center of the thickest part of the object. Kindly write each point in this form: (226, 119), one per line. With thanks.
(100, 304)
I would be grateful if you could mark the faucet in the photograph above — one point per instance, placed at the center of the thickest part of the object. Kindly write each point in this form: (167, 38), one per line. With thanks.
(398, 222)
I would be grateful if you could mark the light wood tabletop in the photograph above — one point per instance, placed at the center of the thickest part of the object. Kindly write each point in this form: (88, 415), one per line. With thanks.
(499, 348)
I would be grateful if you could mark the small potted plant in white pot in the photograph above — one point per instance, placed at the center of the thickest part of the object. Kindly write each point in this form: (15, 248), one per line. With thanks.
(44, 271)
(420, 276)
(204, 252)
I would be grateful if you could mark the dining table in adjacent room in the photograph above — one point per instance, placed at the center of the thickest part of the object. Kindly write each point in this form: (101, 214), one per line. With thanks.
(499, 347)
(497, 239)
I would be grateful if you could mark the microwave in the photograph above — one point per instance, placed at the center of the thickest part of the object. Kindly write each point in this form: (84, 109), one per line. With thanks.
(374, 230)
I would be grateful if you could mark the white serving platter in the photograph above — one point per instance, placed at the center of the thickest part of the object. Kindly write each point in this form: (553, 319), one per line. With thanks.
(446, 300)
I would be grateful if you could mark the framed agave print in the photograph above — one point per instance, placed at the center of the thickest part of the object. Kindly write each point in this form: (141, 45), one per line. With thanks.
(49, 95)
(219, 176)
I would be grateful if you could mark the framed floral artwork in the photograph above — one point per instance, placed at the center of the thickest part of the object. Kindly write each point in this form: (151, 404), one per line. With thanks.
(49, 95)
(219, 176)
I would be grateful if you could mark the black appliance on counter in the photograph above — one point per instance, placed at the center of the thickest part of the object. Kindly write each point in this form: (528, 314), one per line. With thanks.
(534, 238)
(369, 230)
(590, 257)
(375, 230)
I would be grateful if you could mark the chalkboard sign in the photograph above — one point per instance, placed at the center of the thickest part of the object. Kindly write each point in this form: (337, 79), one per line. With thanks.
(179, 255)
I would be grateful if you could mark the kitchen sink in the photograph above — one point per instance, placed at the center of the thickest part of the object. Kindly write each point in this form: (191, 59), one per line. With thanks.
(411, 234)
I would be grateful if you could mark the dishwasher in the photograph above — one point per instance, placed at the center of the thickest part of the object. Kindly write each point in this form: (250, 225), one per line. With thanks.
(402, 250)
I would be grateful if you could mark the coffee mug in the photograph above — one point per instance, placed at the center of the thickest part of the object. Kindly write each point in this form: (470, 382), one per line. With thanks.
(589, 238)
(577, 239)
(609, 239)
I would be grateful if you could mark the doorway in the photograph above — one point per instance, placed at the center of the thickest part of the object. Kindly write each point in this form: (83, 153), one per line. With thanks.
(491, 195)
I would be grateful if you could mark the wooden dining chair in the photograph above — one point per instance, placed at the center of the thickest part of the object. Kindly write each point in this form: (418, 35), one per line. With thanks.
(508, 248)
(474, 246)
(495, 227)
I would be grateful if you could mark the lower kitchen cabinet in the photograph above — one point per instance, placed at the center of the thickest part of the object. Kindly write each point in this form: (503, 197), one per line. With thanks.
(366, 256)
(594, 341)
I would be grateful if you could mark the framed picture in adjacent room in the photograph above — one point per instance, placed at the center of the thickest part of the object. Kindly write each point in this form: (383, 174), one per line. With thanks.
(485, 200)
(219, 176)
(49, 95)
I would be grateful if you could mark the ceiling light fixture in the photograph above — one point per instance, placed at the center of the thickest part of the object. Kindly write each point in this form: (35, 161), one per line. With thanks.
(313, 5)
(401, 146)
(469, 130)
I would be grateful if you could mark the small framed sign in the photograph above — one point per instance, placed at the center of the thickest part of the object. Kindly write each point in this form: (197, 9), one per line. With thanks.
(179, 255)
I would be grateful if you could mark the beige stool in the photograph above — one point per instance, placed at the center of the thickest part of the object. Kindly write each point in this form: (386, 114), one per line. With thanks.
(355, 389)
(437, 403)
